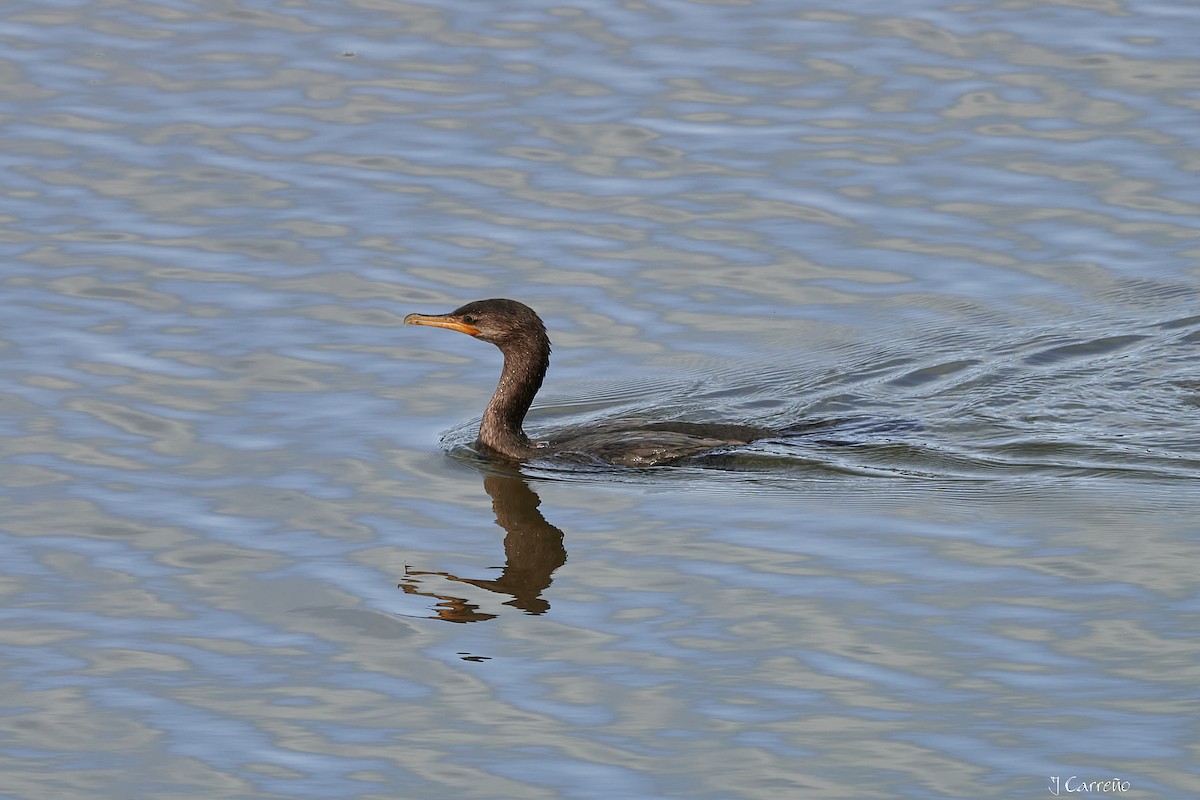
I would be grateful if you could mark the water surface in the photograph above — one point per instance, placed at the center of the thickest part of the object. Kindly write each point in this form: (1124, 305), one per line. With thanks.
(249, 554)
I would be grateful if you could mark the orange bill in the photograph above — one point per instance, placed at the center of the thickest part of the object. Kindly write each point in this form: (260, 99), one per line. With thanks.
(441, 321)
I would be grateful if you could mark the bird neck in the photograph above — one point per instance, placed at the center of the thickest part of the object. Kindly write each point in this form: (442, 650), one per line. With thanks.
(525, 365)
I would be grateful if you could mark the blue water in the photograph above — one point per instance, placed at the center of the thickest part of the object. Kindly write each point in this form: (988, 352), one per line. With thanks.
(249, 553)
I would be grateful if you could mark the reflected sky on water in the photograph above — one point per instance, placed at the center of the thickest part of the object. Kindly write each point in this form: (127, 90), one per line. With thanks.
(250, 552)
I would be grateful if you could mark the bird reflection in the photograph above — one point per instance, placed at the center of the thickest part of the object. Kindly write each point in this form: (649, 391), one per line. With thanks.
(533, 549)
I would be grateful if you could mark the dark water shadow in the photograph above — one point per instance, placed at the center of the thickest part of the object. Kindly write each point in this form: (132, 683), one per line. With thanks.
(533, 550)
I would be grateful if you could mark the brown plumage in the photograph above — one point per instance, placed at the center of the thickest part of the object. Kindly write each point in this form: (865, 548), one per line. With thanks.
(521, 336)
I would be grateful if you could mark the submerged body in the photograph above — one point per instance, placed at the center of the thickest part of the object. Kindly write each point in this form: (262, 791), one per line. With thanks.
(521, 336)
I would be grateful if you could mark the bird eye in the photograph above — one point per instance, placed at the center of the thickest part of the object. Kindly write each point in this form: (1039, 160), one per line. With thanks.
(469, 320)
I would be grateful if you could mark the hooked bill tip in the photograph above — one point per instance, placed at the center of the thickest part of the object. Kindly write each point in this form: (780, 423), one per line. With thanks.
(441, 321)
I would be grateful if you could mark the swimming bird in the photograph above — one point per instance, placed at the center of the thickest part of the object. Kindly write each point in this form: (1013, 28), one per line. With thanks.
(521, 336)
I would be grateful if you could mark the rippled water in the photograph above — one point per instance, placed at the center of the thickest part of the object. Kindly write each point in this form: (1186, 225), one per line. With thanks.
(249, 553)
